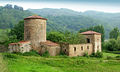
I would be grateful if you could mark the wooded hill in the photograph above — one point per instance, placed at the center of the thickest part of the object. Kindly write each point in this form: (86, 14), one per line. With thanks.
(60, 19)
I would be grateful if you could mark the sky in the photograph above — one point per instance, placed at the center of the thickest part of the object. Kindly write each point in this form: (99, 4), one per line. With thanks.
(111, 6)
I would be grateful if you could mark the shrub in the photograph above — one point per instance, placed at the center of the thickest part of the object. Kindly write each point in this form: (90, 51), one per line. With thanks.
(31, 53)
(46, 54)
(117, 56)
(97, 54)
(9, 55)
(62, 53)
(92, 55)
(86, 54)
(109, 57)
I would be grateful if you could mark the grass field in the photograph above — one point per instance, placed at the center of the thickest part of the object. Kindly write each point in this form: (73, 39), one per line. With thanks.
(19, 63)
(3, 67)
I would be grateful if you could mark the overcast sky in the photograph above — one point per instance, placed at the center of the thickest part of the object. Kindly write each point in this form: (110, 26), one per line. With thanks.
(77, 5)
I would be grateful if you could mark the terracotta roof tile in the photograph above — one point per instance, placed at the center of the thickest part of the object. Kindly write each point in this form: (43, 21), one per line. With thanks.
(35, 17)
(90, 32)
(50, 43)
(13, 43)
(23, 41)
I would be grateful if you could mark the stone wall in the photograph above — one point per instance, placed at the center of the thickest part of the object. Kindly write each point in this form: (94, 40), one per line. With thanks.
(35, 31)
(20, 47)
(96, 41)
(76, 49)
(53, 50)
(80, 49)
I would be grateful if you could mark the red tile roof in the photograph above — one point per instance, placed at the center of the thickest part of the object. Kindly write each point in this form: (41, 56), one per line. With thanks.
(50, 43)
(35, 17)
(90, 32)
(23, 41)
(13, 43)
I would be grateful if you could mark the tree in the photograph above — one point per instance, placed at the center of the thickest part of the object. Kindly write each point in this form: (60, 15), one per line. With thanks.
(18, 31)
(114, 33)
(55, 36)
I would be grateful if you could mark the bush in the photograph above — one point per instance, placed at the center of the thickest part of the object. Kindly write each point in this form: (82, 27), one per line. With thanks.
(117, 56)
(97, 54)
(92, 55)
(86, 54)
(46, 54)
(109, 57)
(9, 55)
(31, 53)
(62, 53)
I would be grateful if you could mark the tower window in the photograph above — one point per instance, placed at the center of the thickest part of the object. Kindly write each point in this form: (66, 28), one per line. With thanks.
(98, 47)
(65, 50)
(81, 47)
(74, 48)
(88, 47)
(88, 40)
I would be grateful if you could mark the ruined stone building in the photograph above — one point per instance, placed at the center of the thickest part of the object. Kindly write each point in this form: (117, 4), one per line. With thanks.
(35, 38)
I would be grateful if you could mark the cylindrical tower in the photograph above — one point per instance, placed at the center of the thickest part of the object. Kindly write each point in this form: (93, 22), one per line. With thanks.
(35, 30)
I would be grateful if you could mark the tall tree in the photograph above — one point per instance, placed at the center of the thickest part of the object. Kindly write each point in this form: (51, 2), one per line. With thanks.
(114, 33)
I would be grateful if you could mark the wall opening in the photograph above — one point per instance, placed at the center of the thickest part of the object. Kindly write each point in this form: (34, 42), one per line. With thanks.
(81, 47)
(97, 47)
(87, 47)
(88, 40)
(74, 48)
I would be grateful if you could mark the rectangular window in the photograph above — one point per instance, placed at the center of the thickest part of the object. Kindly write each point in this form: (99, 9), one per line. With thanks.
(88, 47)
(81, 47)
(74, 48)
(88, 40)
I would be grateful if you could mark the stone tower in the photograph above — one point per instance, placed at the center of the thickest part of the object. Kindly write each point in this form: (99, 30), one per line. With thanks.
(35, 30)
(94, 38)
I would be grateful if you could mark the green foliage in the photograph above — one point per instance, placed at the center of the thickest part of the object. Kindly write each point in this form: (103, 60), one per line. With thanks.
(61, 64)
(114, 33)
(55, 36)
(3, 65)
(18, 31)
(97, 54)
(86, 54)
(10, 55)
(109, 57)
(98, 28)
(31, 53)
(112, 44)
(67, 37)
(46, 54)
(10, 16)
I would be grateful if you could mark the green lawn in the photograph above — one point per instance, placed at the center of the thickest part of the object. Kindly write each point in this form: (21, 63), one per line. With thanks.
(19, 63)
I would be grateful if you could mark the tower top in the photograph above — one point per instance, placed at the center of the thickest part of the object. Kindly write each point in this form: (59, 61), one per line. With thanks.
(90, 33)
(35, 17)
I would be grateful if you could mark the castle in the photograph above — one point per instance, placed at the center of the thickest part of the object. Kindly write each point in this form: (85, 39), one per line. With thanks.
(35, 38)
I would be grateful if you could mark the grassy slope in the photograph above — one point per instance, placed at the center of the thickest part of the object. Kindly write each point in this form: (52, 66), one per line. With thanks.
(62, 64)
(3, 67)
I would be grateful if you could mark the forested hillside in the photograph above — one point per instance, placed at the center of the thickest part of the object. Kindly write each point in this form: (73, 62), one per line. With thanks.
(9, 15)
(65, 19)
(60, 19)
(112, 19)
